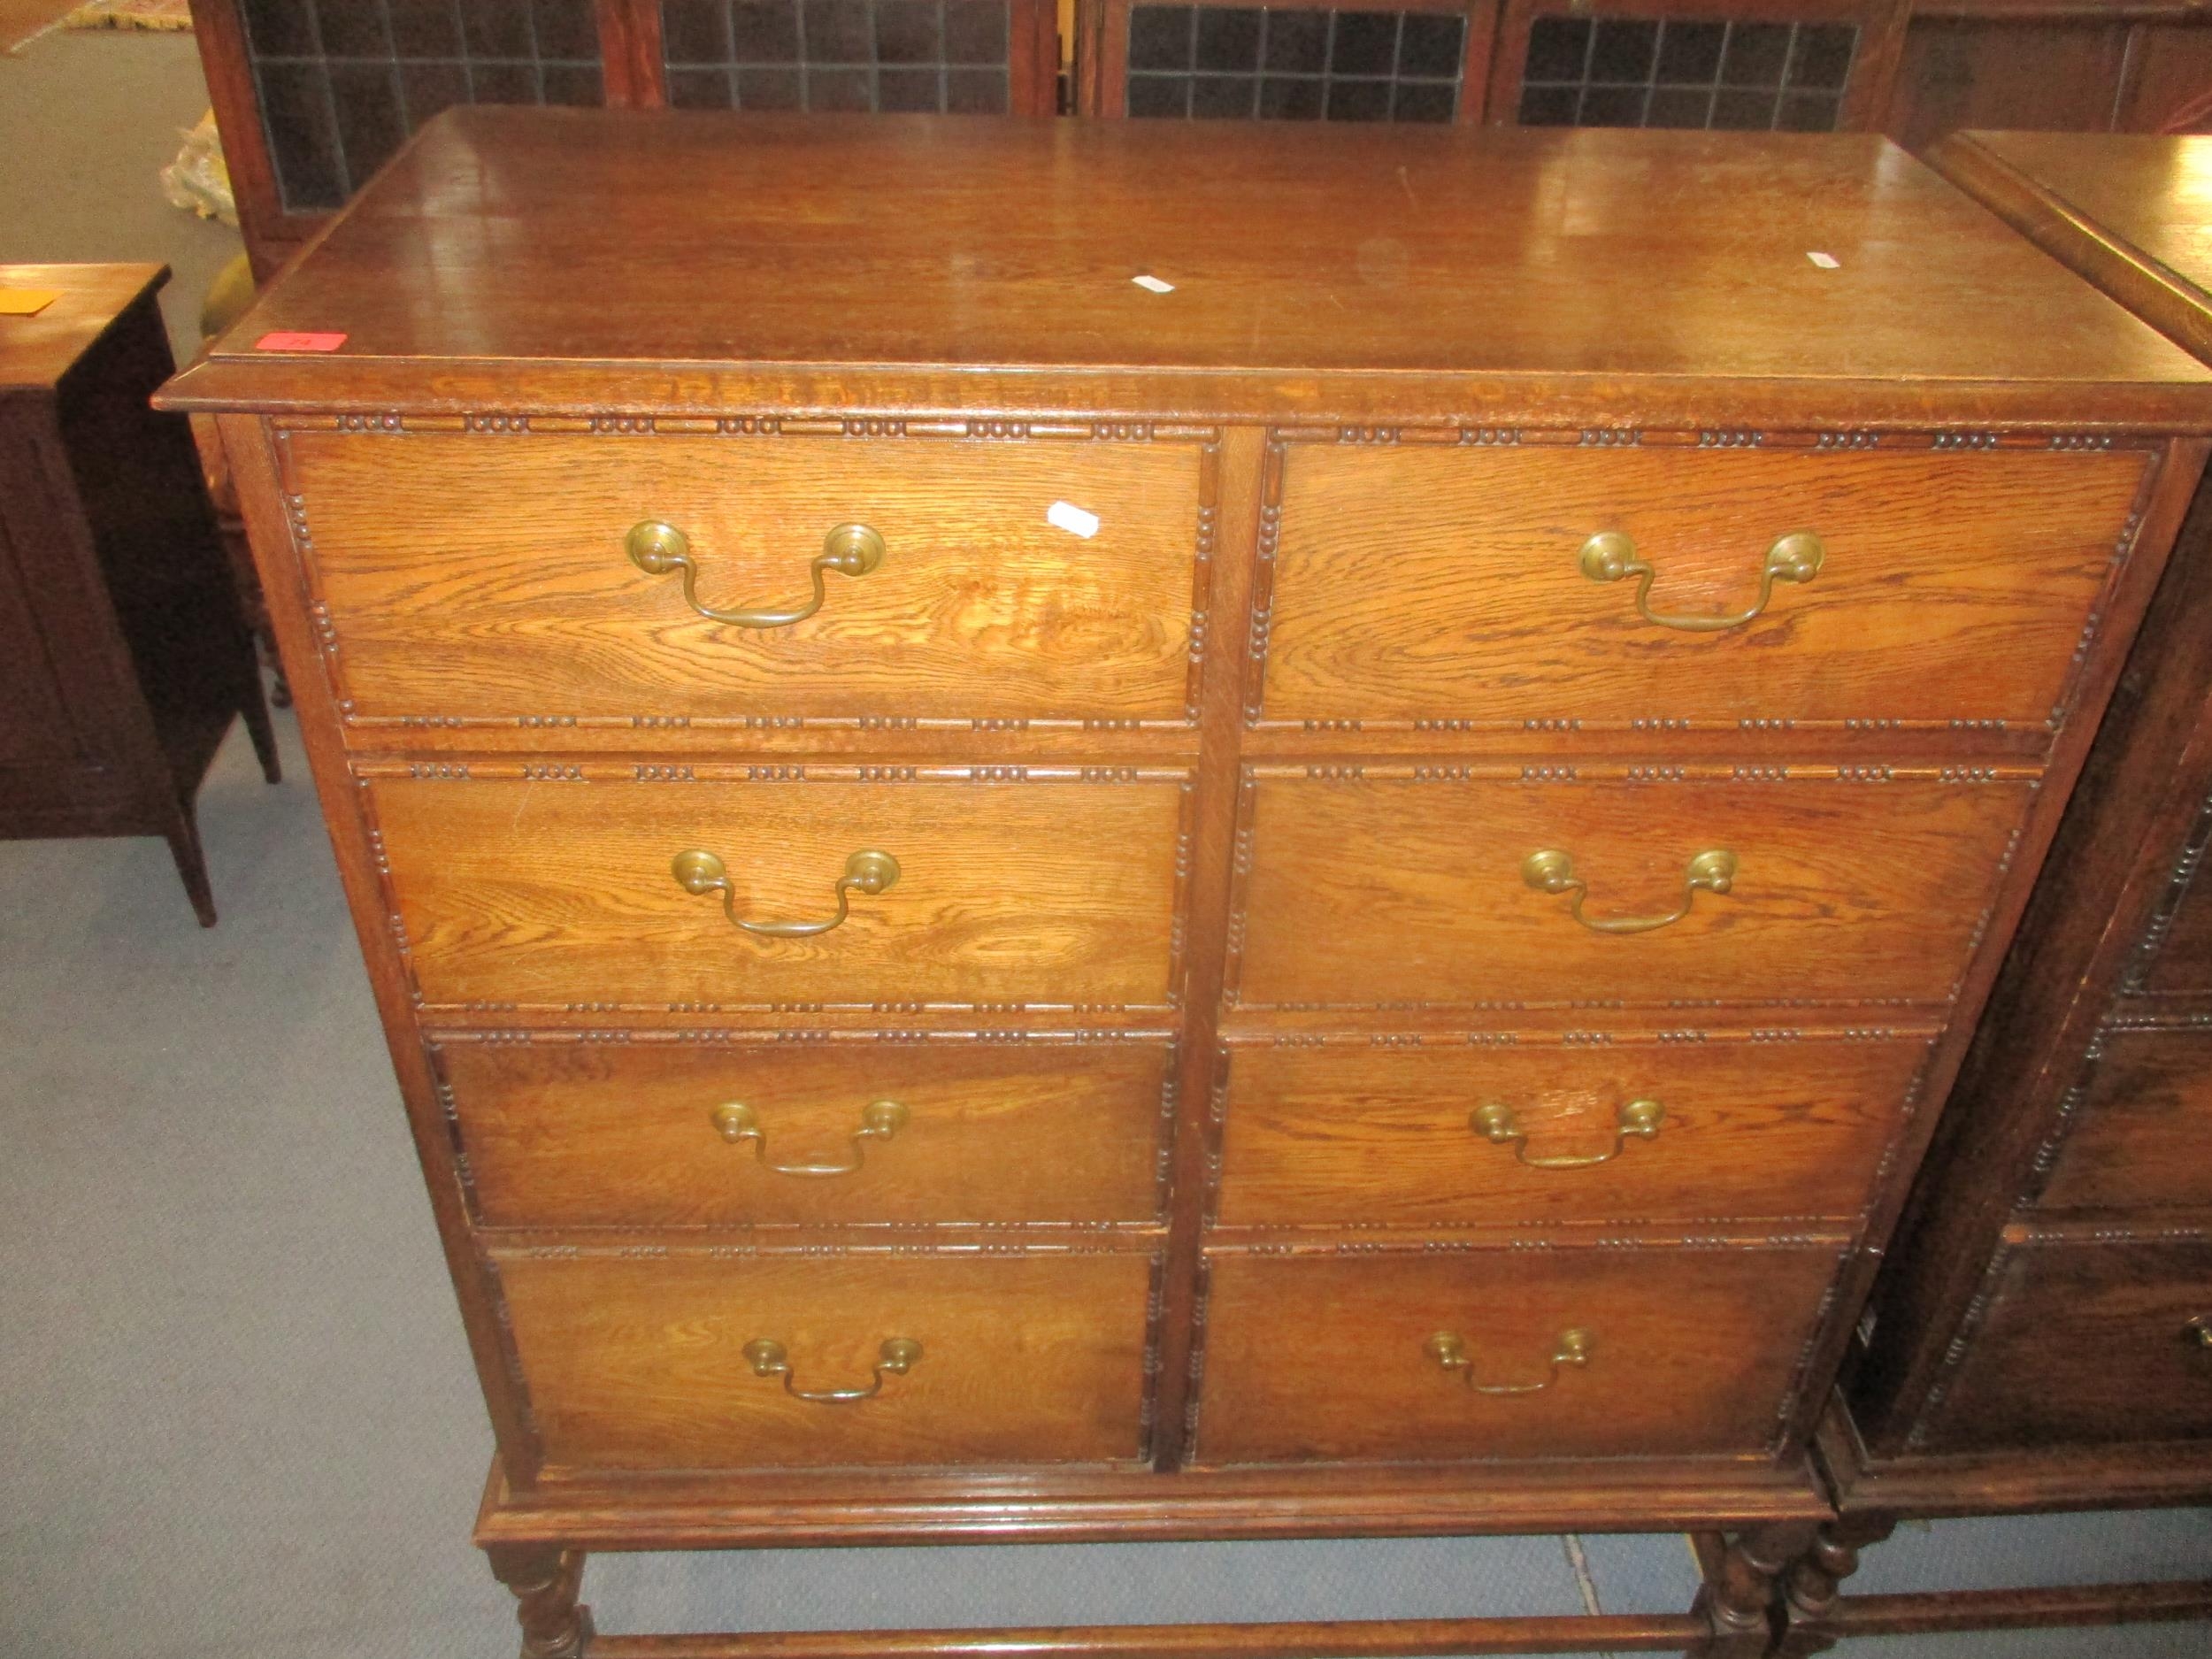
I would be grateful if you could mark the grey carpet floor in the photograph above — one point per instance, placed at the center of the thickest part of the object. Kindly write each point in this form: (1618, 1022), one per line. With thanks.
(237, 1415)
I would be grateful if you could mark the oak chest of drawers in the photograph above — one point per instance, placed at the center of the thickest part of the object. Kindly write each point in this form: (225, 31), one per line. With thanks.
(1012, 905)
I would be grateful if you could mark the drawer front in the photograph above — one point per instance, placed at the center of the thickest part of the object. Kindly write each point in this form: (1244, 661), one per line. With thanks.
(486, 577)
(642, 1364)
(1684, 1353)
(2087, 1343)
(1416, 582)
(2140, 1134)
(690, 1134)
(1416, 886)
(563, 895)
(1633, 1128)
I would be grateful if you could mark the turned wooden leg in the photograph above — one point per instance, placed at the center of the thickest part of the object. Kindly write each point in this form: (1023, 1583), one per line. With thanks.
(1813, 1585)
(545, 1579)
(1737, 1596)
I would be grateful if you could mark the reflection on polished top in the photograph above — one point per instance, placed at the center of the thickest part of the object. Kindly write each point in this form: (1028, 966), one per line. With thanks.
(2154, 193)
(987, 263)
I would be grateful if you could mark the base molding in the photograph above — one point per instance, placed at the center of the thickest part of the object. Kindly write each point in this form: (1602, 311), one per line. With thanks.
(1749, 1523)
(1930, 1485)
(799, 1510)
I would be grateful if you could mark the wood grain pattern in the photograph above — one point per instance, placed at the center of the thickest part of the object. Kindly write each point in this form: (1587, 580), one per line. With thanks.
(810, 263)
(620, 1134)
(1382, 889)
(2083, 1344)
(1382, 1137)
(638, 1364)
(484, 577)
(1321, 1357)
(1419, 582)
(555, 895)
(2136, 1140)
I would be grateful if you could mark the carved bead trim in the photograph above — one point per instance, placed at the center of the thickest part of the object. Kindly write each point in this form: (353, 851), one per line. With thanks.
(1626, 1239)
(1955, 1350)
(1594, 772)
(1198, 1311)
(508, 423)
(2186, 864)
(524, 768)
(1793, 1399)
(2123, 551)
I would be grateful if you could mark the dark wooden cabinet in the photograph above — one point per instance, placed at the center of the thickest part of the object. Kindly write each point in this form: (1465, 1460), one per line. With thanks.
(1779, 66)
(2041, 1337)
(1914, 69)
(312, 98)
(123, 658)
(1337, 60)
(2074, 66)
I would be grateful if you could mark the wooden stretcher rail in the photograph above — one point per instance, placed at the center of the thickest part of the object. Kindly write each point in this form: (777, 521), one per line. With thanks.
(1932, 1612)
(1363, 1639)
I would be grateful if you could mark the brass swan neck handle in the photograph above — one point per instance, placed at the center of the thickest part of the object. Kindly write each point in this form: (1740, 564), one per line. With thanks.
(1448, 1350)
(737, 1123)
(657, 549)
(1495, 1121)
(1551, 870)
(768, 1357)
(865, 873)
(1610, 554)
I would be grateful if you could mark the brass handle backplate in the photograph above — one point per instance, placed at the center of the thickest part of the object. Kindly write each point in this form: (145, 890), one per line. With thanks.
(1554, 871)
(2198, 1330)
(1495, 1122)
(898, 1356)
(1448, 1349)
(656, 548)
(868, 873)
(736, 1122)
(1609, 555)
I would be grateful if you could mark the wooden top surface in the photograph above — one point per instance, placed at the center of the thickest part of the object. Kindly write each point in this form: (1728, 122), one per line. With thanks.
(36, 351)
(639, 261)
(2152, 192)
(2132, 213)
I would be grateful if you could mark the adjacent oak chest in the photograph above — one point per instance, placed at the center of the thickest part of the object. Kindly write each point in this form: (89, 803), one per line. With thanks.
(2041, 1334)
(1329, 892)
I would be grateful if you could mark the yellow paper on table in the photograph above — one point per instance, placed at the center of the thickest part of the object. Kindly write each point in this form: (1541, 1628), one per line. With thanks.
(27, 302)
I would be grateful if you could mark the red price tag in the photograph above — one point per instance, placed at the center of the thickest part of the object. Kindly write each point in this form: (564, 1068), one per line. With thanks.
(284, 341)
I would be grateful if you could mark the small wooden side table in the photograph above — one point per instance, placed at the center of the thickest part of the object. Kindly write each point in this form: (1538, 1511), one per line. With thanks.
(123, 656)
